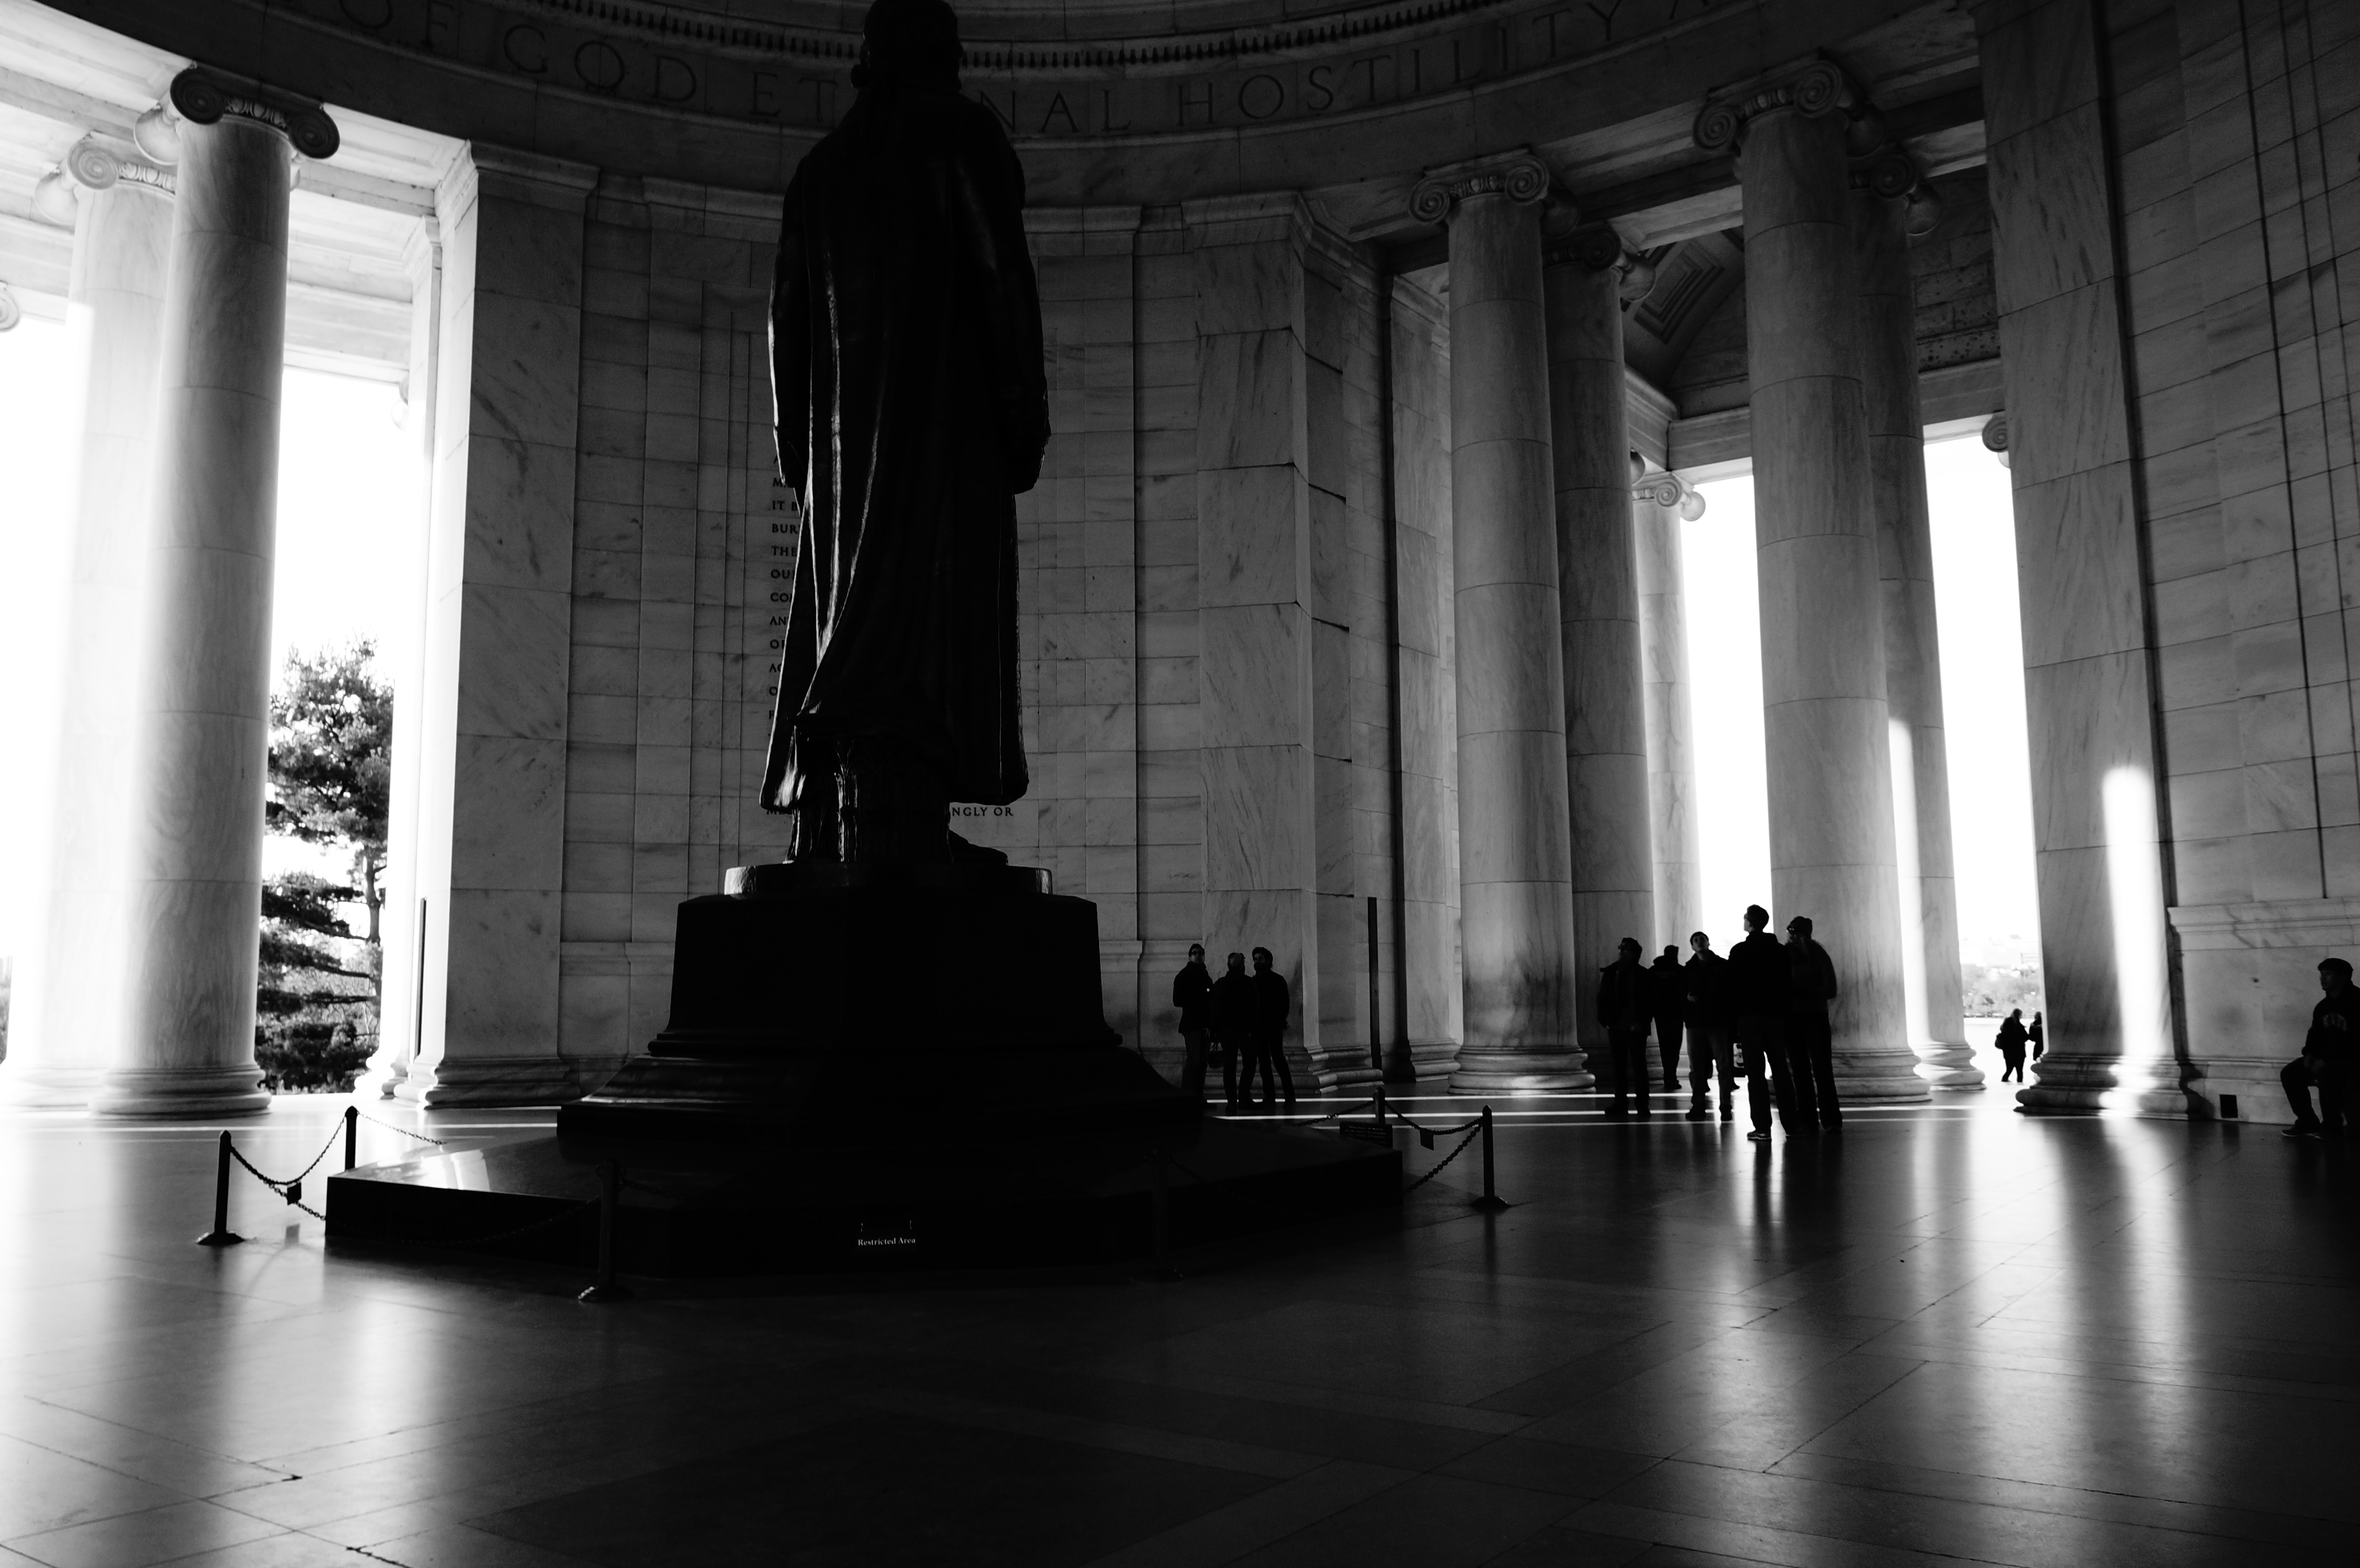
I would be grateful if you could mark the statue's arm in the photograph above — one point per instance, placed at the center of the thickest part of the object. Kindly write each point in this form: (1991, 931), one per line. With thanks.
(791, 346)
(992, 188)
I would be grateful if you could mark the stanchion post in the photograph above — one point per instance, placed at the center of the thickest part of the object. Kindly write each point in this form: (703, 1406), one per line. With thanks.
(221, 1235)
(1381, 1102)
(352, 1135)
(1490, 1202)
(611, 1199)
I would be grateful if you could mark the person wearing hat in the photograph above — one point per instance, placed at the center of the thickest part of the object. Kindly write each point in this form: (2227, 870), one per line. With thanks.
(2327, 1058)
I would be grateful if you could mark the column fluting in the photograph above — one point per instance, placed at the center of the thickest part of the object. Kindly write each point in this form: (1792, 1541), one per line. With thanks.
(1613, 855)
(202, 680)
(1933, 987)
(1831, 836)
(69, 984)
(1515, 898)
(1671, 756)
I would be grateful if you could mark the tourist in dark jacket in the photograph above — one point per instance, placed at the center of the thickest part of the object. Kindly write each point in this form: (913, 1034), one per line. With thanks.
(2331, 1056)
(1667, 991)
(1707, 976)
(1810, 1042)
(1234, 1017)
(1625, 1007)
(2010, 1042)
(1273, 1005)
(1759, 981)
(2038, 1036)
(1192, 997)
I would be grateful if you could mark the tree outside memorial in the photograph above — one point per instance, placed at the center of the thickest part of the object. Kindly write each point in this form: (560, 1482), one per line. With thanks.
(317, 1005)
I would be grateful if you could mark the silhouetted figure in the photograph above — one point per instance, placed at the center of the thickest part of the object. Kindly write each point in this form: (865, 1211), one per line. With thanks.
(1274, 1004)
(1810, 1044)
(2039, 1037)
(1192, 994)
(2010, 1042)
(2328, 1058)
(1668, 994)
(1707, 976)
(1759, 982)
(912, 409)
(1233, 1028)
(1624, 1006)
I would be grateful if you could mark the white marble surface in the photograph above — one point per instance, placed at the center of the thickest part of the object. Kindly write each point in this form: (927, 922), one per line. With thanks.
(1831, 834)
(1516, 897)
(1671, 768)
(68, 982)
(193, 860)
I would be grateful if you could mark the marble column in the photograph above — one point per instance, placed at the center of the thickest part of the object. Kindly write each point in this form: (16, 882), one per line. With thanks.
(69, 984)
(202, 683)
(1831, 838)
(1598, 605)
(1671, 756)
(1883, 216)
(1516, 898)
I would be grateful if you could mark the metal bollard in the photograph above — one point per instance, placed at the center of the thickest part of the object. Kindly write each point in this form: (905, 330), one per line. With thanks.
(1489, 1203)
(221, 1235)
(352, 1134)
(1381, 1102)
(611, 1199)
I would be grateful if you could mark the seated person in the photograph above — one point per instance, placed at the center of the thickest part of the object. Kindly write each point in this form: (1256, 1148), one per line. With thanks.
(2327, 1058)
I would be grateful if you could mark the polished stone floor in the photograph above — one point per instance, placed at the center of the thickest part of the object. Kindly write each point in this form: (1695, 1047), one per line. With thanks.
(1951, 1333)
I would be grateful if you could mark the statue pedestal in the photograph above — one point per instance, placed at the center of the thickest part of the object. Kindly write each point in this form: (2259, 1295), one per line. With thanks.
(933, 1036)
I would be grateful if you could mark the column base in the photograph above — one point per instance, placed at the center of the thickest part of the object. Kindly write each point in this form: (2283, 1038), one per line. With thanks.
(490, 1081)
(1880, 1078)
(2086, 1085)
(1949, 1064)
(191, 1093)
(40, 1088)
(1510, 1072)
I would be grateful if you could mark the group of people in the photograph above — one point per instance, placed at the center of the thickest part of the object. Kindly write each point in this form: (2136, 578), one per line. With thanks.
(1242, 1019)
(1759, 1013)
(2014, 1035)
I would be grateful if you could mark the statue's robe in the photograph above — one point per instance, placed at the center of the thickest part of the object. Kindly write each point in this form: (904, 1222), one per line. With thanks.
(912, 409)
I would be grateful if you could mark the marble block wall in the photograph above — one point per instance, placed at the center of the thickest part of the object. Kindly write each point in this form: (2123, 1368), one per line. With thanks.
(2232, 131)
(683, 550)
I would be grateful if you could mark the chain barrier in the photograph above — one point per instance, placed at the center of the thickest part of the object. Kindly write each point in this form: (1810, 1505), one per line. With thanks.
(437, 1142)
(291, 1191)
(1476, 1131)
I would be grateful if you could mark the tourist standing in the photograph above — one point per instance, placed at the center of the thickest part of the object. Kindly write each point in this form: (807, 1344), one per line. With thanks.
(1810, 1043)
(1758, 983)
(1624, 1009)
(1667, 999)
(2010, 1042)
(1192, 995)
(1234, 1017)
(1274, 1004)
(2038, 1036)
(1707, 976)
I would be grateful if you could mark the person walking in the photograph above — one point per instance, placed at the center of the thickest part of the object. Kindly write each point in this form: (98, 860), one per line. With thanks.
(2331, 1050)
(2010, 1042)
(1707, 976)
(2038, 1036)
(1624, 1006)
(1274, 1004)
(1667, 1000)
(1192, 996)
(1759, 979)
(1233, 1015)
(1810, 1043)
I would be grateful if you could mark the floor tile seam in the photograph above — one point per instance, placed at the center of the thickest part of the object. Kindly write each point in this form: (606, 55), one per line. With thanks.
(2028, 1506)
(1314, 1396)
(1276, 1464)
(16, 1542)
(2148, 1374)
(201, 1453)
(2330, 1522)
(1781, 1403)
(178, 1493)
(1606, 1524)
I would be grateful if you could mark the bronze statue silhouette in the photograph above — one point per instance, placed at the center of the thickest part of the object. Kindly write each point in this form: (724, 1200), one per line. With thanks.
(912, 409)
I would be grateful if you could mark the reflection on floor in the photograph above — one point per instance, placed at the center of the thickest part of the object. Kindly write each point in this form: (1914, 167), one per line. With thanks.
(1952, 1333)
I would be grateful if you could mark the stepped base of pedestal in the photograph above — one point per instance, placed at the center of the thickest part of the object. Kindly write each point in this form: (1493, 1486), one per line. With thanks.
(1880, 1078)
(1030, 1199)
(489, 1080)
(1949, 1064)
(187, 1094)
(2069, 1085)
(47, 1088)
(1507, 1072)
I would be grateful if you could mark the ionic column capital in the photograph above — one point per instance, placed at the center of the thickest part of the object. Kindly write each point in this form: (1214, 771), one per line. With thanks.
(1519, 177)
(1669, 491)
(95, 165)
(204, 96)
(1596, 247)
(1890, 174)
(1818, 88)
